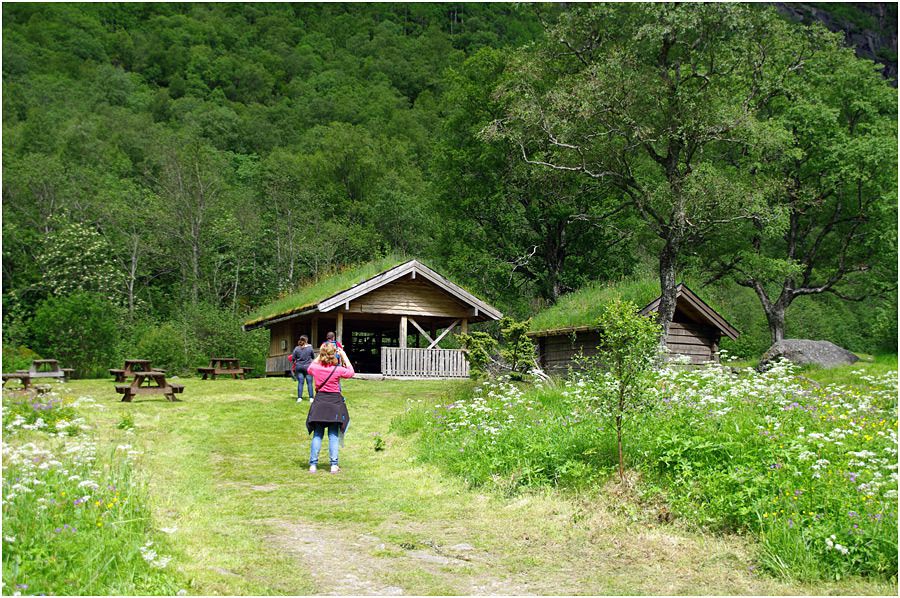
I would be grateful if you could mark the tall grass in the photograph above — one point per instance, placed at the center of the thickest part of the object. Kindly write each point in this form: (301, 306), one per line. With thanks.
(810, 470)
(75, 519)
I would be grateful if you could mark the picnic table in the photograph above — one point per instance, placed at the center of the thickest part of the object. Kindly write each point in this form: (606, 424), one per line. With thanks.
(223, 365)
(149, 383)
(132, 366)
(40, 368)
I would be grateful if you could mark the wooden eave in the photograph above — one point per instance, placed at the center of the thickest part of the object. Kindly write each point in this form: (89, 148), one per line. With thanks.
(698, 306)
(289, 315)
(560, 331)
(480, 310)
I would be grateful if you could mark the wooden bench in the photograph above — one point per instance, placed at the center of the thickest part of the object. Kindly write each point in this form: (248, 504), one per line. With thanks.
(23, 377)
(223, 366)
(152, 382)
(121, 375)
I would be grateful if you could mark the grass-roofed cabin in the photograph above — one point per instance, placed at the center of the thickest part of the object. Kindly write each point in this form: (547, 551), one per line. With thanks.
(390, 317)
(568, 328)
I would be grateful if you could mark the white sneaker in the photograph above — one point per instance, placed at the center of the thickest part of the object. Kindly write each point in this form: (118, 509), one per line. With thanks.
(312, 469)
(335, 469)
(299, 400)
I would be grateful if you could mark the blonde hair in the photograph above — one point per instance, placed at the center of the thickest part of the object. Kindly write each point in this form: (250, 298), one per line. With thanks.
(326, 354)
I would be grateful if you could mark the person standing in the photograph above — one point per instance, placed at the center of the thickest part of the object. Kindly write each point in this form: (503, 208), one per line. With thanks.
(330, 338)
(329, 410)
(302, 357)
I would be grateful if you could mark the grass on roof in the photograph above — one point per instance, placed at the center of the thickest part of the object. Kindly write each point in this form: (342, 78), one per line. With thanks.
(314, 292)
(584, 306)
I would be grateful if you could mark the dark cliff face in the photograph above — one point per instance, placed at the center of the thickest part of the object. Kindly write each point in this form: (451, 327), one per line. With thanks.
(869, 27)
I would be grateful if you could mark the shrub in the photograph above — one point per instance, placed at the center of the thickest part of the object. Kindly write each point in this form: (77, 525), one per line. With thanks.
(169, 346)
(218, 333)
(18, 358)
(82, 330)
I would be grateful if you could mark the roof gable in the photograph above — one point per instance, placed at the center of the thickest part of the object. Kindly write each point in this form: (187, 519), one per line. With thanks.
(697, 308)
(414, 268)
(303, 302)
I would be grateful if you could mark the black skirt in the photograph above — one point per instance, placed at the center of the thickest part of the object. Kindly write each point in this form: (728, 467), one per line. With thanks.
(328, 408)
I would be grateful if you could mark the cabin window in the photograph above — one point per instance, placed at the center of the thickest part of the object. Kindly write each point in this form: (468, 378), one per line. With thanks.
(283, 345)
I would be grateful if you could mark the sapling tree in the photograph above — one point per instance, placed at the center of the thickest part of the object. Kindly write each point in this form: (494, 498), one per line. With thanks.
(479, 349)
(517, 350)
(628, 348)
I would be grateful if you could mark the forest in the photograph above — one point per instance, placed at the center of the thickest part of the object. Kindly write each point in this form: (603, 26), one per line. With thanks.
(167, 168)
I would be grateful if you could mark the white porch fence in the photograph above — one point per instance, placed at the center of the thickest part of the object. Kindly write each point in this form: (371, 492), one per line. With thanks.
(424, 363)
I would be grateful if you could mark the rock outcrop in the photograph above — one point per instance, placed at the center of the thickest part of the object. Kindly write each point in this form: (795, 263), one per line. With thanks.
(805, 352)
(868, 27)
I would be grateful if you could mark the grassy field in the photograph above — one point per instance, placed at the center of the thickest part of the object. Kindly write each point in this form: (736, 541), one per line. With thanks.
(227, 468)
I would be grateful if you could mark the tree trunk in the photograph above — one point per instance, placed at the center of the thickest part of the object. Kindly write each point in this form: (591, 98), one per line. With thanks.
(619, 427)
(775, 317)
(667, 272)
(619, 440)
(774, 310)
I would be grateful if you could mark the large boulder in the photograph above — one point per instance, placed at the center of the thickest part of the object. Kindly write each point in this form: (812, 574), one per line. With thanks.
(824, 354)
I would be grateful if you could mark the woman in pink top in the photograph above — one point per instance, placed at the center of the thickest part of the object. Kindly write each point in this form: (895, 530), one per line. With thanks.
(328, 409)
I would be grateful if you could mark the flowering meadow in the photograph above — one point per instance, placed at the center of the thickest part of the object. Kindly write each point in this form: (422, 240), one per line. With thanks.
(811, 470)
(75, 516)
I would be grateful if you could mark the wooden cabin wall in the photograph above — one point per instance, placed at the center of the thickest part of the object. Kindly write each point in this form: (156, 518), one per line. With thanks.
(410, 297)
(558, 352)
(276, 362)
(697, 342)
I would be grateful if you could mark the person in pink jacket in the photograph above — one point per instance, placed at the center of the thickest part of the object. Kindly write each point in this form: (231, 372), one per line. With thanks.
(329, 408)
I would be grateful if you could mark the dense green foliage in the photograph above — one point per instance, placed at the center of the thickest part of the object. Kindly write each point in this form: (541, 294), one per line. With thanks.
(187, 159)
(80, 329)
(809, 469)
(169, 155)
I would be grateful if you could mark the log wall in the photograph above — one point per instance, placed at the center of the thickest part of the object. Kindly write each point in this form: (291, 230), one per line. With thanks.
(696, 342)
(557, 353)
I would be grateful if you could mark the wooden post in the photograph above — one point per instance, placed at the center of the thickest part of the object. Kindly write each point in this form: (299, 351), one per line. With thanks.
(464, 326)
(402, 332)
(339, 328)
(314, 333)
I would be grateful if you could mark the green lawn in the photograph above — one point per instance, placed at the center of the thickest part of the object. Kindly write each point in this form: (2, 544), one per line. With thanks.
(227, 467)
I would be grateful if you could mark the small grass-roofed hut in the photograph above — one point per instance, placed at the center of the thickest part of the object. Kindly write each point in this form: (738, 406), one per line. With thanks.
(390, 315)
(569, 327)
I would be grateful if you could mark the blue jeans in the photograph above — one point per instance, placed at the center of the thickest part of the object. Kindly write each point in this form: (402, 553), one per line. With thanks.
(309, 384)
(333, 442)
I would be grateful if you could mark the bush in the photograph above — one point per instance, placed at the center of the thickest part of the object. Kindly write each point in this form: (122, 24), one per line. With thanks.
(82, 331)
(218, 333)
(169, 346)
(181, 345)
(18, 358)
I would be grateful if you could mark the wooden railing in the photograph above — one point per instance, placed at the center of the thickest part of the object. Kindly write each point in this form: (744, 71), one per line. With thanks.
(424, 363)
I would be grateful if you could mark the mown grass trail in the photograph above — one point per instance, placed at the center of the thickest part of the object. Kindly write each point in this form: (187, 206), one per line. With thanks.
(227, 466)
